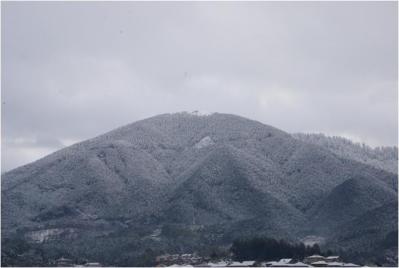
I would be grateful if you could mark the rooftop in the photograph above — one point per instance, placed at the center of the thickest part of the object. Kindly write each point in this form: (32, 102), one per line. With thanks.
(315, 256)
(319, 262)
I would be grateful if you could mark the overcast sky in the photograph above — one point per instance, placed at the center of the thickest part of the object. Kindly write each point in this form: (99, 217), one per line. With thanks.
(74, 70)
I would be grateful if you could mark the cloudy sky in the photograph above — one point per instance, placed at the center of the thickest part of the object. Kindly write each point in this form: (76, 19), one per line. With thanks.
(73, 70)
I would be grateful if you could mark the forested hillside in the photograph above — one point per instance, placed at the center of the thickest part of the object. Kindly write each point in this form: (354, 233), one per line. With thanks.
(385, 158)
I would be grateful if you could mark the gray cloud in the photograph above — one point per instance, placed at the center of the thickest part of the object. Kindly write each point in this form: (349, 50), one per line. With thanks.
(73, 70)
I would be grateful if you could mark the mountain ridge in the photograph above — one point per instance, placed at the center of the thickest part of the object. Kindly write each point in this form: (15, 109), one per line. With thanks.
(383, 157)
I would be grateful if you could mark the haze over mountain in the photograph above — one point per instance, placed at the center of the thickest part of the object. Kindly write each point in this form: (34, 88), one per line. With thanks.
(184, 182)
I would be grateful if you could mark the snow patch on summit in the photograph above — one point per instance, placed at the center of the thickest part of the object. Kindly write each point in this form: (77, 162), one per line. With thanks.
(205, 142)
(198, 113)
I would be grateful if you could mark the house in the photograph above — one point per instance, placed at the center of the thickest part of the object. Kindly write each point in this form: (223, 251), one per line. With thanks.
(248, 263)
(334, 264)
(332, 259)
(299, 264)
(217, 264)
(64, 262)
(234, 264)
(319, 264)
(341, 264)
(93, 264)
(314, 258)
(350, 265)
(276, 264)
(204, 264)
(286, 263)
(280, 263)
(241, 264)
(186, 256)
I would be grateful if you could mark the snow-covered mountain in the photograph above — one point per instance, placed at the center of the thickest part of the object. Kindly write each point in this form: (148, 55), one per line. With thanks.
(185, 182)
(385, 158)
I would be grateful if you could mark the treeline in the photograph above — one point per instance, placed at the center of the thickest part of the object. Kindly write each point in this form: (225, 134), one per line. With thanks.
(268, 249)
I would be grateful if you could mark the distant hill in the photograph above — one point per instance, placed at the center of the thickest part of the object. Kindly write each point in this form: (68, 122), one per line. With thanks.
(350, 200)
(185, 182)
(385, 158)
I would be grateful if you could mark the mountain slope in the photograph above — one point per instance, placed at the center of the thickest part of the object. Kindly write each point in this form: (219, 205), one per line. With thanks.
(224, 187)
